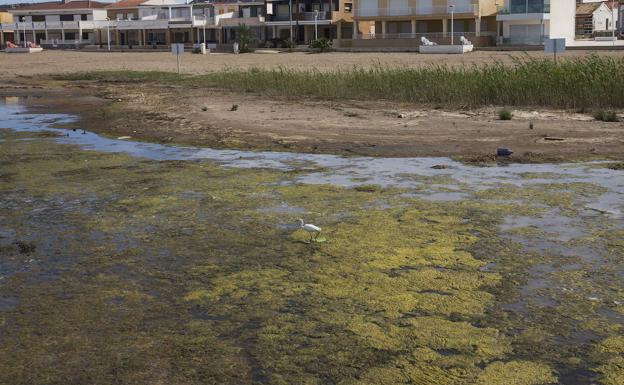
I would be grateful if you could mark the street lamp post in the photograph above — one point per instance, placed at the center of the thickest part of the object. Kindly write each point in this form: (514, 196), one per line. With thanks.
(108, 33)
(316, 15)
(498, 34)
(452, 7)
(613, 22)
(290, 19)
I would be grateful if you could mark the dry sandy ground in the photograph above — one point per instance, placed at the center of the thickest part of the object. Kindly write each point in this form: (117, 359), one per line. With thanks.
(200, 116)
(55, 62)
(204, 117)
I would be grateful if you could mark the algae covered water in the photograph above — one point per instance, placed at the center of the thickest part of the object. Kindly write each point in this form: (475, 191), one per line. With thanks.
(132, 262)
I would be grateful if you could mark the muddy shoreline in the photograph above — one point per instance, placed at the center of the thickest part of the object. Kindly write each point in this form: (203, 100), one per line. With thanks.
(222, 119)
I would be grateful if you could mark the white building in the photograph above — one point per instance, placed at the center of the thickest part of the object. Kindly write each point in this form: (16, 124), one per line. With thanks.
(68, 23)
(530, 22)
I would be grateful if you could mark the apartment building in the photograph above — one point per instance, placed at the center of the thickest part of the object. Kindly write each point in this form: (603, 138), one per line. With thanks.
(63, 24)
(303, 20)
(230, 14)
(404, 22)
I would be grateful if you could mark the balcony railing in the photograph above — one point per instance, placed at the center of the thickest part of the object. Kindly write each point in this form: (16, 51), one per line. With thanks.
(516, 9)
(420, 10)
(60, 42)
(311, 16)
(525, 40)
(42, 25)
(304, 16)
(429, 35)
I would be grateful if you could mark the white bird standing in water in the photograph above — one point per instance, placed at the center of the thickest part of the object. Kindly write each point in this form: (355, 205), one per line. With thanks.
(310, 228)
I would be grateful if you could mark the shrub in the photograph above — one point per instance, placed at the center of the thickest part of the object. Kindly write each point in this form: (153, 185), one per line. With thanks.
(290, 44)
(505, 115)
(322, 44)
(606, 116)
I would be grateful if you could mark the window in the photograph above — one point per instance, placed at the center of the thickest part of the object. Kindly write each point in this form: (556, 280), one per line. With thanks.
(85, 36)
(36, 18)
(348, 7)
(70, 36)
(83, 17)
(67, 17)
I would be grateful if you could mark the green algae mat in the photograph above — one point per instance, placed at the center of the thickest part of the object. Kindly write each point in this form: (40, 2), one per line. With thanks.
(121, 270)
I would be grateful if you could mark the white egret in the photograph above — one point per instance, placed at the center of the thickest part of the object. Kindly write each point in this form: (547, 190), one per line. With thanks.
(310, 228)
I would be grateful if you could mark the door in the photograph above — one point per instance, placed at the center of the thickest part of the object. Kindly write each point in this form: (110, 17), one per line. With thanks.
(525, 33)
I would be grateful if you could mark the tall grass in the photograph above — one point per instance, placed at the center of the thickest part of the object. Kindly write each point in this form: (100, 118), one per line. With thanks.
(588, 82)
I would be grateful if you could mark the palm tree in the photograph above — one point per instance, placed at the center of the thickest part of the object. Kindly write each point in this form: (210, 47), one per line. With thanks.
(243, 37)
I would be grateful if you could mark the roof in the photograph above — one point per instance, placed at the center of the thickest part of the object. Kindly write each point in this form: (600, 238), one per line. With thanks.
(57, 5)
(589, 8)
(165, 2)
(125, 4)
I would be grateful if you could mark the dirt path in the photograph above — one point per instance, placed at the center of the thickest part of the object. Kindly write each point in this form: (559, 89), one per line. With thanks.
(216, 118)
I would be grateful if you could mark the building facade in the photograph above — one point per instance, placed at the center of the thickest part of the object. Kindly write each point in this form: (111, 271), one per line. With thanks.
(68, 24)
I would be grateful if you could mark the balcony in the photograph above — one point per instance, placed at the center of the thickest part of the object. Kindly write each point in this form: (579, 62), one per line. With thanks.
(141, 24)
(202, 21)
(523, 11)
(420, 10)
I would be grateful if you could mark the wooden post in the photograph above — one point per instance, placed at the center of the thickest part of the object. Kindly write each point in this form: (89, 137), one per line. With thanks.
(413, 27)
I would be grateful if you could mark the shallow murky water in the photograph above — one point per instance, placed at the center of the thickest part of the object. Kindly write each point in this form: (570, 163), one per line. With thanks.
(407, 173)
(561, 232)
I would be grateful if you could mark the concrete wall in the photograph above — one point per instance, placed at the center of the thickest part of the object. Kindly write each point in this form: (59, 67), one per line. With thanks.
(563, 20)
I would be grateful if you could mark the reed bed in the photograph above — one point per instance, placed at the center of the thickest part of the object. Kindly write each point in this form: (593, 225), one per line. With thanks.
(588, 82)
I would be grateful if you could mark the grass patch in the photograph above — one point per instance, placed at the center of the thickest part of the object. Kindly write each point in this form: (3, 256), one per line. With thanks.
(606, 116)
(588, 82)
(505, 115)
